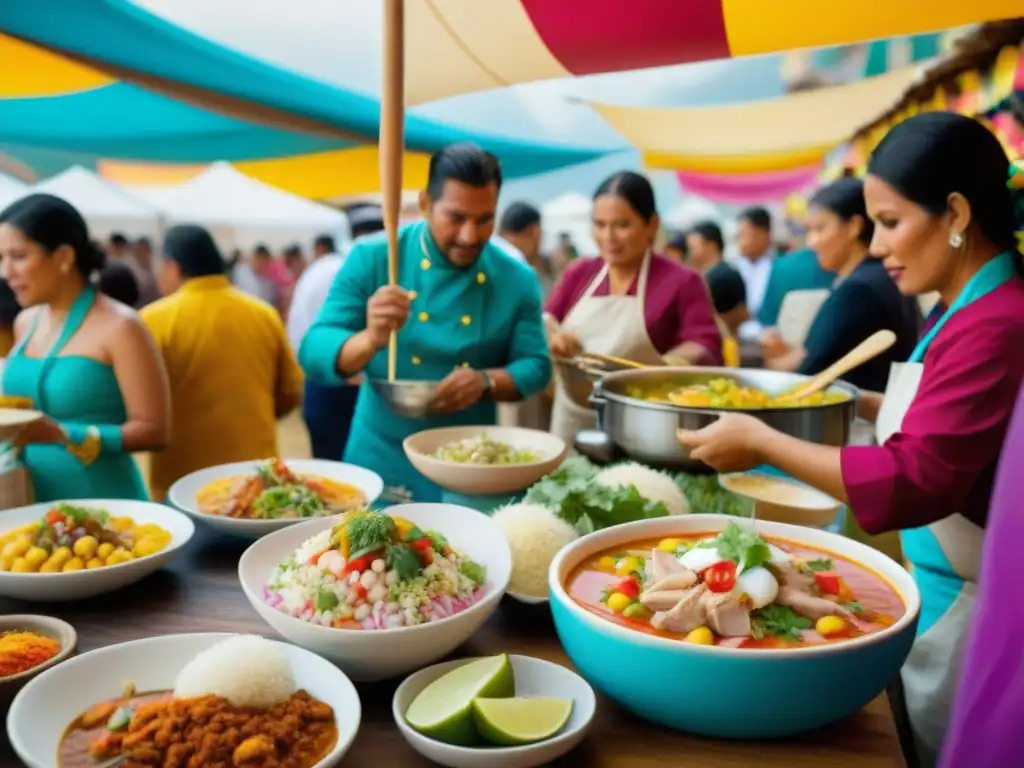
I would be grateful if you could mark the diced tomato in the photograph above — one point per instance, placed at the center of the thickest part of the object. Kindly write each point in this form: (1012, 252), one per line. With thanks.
(629, 587)
(315, 558)
(360, 564)
(53, 517)
(827, 581)
(721, 577)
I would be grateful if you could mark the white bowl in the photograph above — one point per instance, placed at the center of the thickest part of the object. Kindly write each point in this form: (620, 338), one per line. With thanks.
(534, 677)
(13, 420)
(46, 706)
(368, 655)
(183, 493)
(78, 585)
(782, 500)
(485, 479)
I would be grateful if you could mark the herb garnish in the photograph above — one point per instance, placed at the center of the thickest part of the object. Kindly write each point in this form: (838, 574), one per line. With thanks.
(473, 571)
(369, 533)
(778, 620)
(855, 606)
(744, 547)
(821, 564)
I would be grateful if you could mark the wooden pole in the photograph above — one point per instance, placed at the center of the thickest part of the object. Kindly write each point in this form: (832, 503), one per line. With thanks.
(391, 144)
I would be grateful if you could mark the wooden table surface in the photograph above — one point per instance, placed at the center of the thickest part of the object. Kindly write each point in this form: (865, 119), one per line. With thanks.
(199, 592)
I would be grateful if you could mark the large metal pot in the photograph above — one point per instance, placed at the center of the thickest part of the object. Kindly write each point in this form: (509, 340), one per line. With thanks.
(646, 431)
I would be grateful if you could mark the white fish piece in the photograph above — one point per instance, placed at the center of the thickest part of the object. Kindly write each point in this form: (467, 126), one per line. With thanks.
(759, 585)
(697, 559)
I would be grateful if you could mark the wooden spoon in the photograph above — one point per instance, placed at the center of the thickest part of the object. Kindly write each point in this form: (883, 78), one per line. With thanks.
(871, 347)
(619, 361)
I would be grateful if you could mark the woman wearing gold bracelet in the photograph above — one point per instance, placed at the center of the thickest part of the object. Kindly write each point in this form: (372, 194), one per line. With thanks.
(83, 359)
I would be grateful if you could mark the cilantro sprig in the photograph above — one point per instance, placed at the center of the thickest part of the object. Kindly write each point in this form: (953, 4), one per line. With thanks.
(744, 547)
(779, 621)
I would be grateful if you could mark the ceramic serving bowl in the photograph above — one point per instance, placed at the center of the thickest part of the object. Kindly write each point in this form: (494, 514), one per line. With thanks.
(485, 479)
(729, 692)
(534, 678)
(78, 585)
(184, 492)
(782, 500)
(46, 706)
(368, 655)
(46, 626)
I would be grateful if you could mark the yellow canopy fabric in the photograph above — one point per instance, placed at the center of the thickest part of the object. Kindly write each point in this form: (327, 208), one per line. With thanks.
(320, 176)
(791, 132)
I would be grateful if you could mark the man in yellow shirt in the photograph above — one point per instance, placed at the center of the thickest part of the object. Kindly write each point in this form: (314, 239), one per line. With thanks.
(232, 371)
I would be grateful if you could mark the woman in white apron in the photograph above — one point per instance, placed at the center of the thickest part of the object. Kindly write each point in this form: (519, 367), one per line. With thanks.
(936, 189)
(630, 303)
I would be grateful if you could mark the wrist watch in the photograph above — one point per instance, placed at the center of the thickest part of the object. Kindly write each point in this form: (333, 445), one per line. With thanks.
(488, 383)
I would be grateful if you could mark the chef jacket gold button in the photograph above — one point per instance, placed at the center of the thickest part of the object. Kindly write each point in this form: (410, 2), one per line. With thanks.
(481, 278)
(466, 320)
(413, 295)
(424, 317)
(416, 360)
(464, 365)
(425, 264)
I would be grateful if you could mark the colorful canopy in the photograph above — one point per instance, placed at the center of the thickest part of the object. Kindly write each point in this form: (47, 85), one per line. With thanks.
(199, 80)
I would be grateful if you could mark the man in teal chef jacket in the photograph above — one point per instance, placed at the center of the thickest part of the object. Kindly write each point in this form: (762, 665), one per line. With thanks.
(467, 314)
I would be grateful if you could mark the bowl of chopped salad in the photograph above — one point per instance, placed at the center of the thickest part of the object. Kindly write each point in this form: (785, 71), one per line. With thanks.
(252, 498)
(380, 593)
(485, 461)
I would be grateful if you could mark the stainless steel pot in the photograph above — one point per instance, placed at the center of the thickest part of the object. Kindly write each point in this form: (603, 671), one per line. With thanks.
(646, 431)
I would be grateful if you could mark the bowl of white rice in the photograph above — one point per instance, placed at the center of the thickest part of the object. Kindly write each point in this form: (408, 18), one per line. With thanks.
(384, 651)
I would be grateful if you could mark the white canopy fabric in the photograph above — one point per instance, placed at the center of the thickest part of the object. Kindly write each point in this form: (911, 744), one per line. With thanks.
(10, 189)
(106, 207)
(242, 212)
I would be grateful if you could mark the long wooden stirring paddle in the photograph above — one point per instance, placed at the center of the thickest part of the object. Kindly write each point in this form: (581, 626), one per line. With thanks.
(871, 347)
(391, 143)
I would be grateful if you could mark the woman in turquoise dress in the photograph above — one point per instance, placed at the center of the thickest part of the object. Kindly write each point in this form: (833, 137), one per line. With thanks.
(84, 360)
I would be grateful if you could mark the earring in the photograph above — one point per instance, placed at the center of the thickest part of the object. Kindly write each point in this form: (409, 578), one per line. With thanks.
(956, 240)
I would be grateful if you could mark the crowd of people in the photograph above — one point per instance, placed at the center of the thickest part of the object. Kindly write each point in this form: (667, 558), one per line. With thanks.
(220, 349)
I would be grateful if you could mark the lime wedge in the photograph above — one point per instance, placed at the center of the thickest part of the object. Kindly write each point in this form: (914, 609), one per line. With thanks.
(444, 709)
(512, 722)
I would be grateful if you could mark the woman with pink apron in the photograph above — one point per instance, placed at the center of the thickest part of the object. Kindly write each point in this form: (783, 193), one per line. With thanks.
(630, 303)
(936, 189)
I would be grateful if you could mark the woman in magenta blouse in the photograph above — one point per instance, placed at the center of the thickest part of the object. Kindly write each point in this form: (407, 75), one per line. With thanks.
(944, 221)
(630, 303)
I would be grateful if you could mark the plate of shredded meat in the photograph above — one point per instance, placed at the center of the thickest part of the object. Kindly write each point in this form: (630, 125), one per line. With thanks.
(182, 700)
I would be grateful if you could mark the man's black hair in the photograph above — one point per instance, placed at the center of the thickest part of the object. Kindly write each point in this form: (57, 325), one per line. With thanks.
(758, 216)
(518, 218)
(465, 162)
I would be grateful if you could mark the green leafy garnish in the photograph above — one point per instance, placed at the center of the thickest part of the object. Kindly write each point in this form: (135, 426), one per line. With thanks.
(605, 594)
(473, 571)
(598, 506)
(81, 514)
(707, 496)
(821, 564)
(437, 541)
(744, 547)
(370, 532)
(414, 534)
(778, 620)
(855, 606)
(572, 476)
(287, 501)
(403, 561)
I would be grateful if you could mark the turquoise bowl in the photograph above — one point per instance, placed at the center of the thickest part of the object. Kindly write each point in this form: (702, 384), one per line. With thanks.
(727, 692)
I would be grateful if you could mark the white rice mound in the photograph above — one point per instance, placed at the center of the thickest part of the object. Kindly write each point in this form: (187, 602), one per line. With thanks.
(535, 534)
(247, 670)
(653, 485)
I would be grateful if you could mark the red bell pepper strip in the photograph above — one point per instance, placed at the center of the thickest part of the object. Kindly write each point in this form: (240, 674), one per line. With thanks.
(827, 581)
(360, 564)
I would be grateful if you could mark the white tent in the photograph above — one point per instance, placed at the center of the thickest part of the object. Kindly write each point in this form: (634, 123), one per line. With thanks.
(10, 190)
(106, 207)
(241, 211)
(568, 214)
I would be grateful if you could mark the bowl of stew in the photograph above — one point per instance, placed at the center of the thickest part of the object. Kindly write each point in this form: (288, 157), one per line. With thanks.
(732, 628)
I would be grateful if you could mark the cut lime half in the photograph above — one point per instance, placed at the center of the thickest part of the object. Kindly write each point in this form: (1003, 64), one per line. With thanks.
(514, 722)
(444, 709)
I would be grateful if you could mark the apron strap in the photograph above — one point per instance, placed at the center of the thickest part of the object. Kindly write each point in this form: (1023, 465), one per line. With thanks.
(77, 313)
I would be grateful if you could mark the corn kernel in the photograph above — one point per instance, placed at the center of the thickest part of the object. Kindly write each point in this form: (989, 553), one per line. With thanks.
(618, 602)
(829, 625)
(701, 636)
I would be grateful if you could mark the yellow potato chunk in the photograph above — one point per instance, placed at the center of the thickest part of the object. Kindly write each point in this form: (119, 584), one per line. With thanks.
(86, 547)
(17, 547)
(36, 556)
(149, 545)
(94, 563)
(74, 564)
(21, 565)
(104, 550)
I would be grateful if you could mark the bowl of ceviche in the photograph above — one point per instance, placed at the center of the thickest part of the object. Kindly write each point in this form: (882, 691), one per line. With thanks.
(731, 606)
(380, 593)
(71, 550)
(483, 461)
(253, 498)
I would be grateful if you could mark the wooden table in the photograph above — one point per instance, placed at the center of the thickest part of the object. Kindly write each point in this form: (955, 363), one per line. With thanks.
(199, 592)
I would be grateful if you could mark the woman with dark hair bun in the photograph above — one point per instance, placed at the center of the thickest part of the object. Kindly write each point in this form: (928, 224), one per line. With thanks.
(937, 191)
(864, 299)
(629, 303)
(84, 360)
